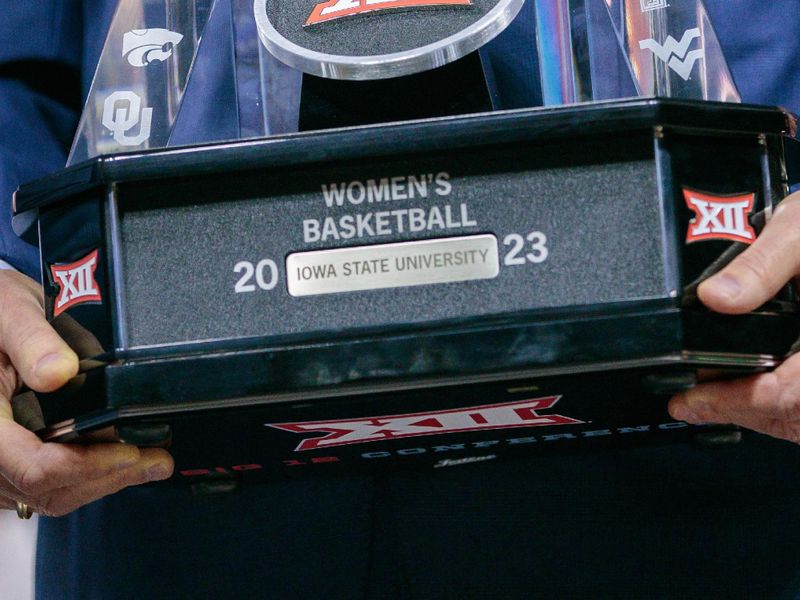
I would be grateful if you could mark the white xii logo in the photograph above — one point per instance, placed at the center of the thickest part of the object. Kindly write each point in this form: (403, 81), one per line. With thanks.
(77, 283)
(676, 54)
(720, 217)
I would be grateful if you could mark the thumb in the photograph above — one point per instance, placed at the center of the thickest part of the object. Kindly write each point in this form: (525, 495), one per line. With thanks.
(759, 272)
(42, 359)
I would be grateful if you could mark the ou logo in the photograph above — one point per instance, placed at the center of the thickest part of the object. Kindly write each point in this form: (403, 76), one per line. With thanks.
(122, 111)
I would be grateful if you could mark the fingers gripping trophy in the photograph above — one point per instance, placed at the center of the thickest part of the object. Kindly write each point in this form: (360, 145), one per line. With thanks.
(324, 237)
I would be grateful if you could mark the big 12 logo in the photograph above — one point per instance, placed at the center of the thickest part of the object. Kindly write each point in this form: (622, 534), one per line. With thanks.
(76, 283)
(720, 217)
(336, 9)
(506, 415)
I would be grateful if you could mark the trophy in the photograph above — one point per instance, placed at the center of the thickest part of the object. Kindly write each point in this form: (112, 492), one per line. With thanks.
(316, 237)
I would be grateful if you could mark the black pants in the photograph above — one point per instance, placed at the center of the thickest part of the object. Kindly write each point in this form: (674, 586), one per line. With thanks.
(678, 522)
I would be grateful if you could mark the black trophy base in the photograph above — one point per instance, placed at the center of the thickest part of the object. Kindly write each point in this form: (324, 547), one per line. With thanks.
(474, 288)
(434, 427)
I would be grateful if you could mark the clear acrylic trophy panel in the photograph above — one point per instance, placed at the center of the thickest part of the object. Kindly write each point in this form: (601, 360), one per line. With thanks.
(672, 49)
(141, 78)
(177, 72)
(605, 49)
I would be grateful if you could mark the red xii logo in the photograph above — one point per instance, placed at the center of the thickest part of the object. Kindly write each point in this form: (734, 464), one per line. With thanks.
(336, 9)
(508, 415)
(77, 283)
(720, 217)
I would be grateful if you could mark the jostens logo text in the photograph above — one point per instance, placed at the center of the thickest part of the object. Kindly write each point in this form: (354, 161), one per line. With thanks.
(336, 9)
(77, 283)
(648, 5)
(720, 217)
(521, 413)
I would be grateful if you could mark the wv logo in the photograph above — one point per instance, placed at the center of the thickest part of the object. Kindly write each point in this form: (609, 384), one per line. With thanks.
(676, 54)
(144, 46)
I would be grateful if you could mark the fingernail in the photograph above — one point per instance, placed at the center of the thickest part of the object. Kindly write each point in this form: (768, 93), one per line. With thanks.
(158, 472)
(726, 285)
(682, 413)
(48, 364)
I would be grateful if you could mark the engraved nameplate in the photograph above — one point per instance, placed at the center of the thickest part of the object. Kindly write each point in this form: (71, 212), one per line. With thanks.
(401, 264)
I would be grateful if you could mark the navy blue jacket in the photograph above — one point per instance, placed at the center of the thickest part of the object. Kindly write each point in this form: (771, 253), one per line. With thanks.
(50, 48)
(651, 523)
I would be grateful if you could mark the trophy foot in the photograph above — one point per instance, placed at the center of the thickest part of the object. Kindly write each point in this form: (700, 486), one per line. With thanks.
(717, 435)
(668, 384)
(154, 435)
(214, 486)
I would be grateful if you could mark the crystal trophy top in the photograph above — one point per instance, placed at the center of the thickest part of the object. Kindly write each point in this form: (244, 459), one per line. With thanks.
(177, 72)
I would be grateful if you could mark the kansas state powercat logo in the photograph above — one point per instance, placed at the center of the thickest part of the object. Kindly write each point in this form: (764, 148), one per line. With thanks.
(522, 413)
(336, 9)
(676, 54)
(76, 282)
(144, 46)
(720, 217)
(377, 39)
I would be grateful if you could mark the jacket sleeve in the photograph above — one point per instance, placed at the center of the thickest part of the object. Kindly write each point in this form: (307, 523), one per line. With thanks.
(39, 103)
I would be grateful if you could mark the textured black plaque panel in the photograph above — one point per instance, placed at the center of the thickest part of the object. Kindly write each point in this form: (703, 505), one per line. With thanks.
(182, 258)
(369, 34)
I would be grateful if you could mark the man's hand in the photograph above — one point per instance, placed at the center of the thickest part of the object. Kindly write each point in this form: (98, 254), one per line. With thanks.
(53, 479)
(769, 403)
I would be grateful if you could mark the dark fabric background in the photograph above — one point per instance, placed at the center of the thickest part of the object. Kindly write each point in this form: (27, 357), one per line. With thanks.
(679, 522)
